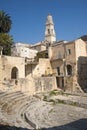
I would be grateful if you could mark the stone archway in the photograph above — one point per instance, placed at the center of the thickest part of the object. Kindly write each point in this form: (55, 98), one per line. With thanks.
(14, 73)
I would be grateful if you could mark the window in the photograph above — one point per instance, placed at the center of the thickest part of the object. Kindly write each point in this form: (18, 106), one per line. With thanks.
(69, 70)
(68, 52)
(58, 70)
(48, 31)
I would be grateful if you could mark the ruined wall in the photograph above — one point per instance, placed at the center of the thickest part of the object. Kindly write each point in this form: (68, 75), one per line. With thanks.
(23, 85)
(36, 70)
(29, 83)
(82, 72)
(56, 52)
(44, 84)
(30, 86)
(68, 81)
(45, 66)
(57, 63)
(6, 65)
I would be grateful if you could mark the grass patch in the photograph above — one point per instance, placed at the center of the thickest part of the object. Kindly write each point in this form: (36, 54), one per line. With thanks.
(57, 101)
(51, 111)
(45, 98)
(53, 93)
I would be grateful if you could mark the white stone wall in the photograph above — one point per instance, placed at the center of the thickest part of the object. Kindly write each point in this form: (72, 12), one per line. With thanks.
(80, 48)
(23, 51)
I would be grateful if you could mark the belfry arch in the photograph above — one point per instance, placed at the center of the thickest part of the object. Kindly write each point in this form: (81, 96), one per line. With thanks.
(14, 73)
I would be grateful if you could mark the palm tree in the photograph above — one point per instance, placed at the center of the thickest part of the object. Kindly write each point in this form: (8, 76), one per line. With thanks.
(6, 42)
(5, 22)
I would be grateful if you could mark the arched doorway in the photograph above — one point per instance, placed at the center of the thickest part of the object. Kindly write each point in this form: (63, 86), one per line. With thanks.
(14, 73)
(69, 70)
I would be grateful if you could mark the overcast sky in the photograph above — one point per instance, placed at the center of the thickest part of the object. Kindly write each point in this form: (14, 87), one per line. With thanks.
(29, 18)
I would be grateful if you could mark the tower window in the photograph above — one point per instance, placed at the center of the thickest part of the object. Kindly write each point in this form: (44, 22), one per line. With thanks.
(48, 31)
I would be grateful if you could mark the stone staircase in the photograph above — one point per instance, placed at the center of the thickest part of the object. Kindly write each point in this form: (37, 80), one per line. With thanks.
(20, 111)
(12, 109)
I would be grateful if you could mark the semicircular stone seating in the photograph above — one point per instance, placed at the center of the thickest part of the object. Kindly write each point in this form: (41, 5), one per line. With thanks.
(13, 106)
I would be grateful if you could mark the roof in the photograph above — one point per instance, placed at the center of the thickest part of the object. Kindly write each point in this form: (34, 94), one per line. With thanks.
(59, 43)
(39, 44)
(84, 38)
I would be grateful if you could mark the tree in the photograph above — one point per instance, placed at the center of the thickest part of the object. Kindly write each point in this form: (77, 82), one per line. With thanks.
(5, 22)
(43, 54)
(6, 42)
(5, 39)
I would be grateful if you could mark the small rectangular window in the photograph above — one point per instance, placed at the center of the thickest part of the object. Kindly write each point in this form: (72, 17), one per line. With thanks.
(68, 52)
(48, 31)
(58, 70)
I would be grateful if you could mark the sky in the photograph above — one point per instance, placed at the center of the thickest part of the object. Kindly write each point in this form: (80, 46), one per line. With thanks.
(29, 18)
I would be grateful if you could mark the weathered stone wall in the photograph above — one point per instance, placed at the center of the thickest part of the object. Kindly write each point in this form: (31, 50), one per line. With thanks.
(68, 81)
(80, 48)
(6, 65)
(30, 86)
(70, 56)
(56, 52)
(39, 47)
(36, 70)
(82, 72)
(57, 63)
(44, 84)
(23, 85)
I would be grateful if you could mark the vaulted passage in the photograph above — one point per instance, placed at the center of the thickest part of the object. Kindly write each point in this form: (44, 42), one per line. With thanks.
(14, 73)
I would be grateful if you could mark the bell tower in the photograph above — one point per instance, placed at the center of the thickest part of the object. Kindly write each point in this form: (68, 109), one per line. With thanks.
(50, 35)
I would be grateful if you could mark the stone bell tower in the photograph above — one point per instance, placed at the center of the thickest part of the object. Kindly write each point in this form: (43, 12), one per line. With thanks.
(50, 35)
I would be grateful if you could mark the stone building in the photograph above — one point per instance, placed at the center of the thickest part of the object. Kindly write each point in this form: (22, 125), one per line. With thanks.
(65, 61)
(61, 64)
(23, 50)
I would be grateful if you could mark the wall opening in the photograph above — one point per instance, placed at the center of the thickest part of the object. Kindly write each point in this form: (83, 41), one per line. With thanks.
(14, 73)
(60, 82)
(69, 70)
(58, 70)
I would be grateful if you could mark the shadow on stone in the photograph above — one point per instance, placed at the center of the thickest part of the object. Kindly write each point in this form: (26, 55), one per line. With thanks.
(76, 125)
(5, 127)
